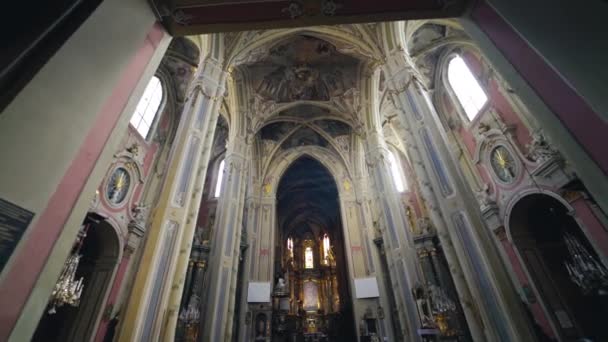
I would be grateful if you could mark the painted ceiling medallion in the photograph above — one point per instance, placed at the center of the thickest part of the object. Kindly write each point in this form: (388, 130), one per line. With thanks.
(118, 186)
(503, 164)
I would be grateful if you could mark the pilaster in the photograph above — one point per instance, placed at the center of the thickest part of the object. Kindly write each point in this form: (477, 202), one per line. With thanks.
(159, 283)
(400, 252)
(219, 300)
(476, 266)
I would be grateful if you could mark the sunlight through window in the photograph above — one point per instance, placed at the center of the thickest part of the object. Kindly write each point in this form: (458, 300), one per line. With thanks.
(396, 171)
(220, 176)
(467, 89)
(308, 261)
(147, 108)
(326, 249)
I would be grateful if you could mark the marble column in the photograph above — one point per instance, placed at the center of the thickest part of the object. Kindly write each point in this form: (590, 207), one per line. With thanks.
(220, 292)
(159, 282)
(455, 212)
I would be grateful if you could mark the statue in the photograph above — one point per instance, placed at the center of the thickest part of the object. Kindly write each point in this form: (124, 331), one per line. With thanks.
(281, 286)
(140, 214)
(540, 150)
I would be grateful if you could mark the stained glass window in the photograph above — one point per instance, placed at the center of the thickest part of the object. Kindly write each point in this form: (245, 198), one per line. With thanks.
(308, 260)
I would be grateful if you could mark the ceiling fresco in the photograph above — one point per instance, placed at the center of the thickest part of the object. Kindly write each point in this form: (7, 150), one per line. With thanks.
(303, 69)
(304, 137)
(334, 127)
(276, 131)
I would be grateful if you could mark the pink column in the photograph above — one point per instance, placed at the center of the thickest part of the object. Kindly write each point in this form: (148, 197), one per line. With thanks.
(537, 311)
(576, 115)
(120, 274)
(31, 259)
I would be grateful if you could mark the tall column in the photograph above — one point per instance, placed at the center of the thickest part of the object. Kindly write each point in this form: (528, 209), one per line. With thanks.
(457, 212)
(58, 136)
(217, 320)
(430, 197)
(399, 245)
(258, 265)
(159, 282)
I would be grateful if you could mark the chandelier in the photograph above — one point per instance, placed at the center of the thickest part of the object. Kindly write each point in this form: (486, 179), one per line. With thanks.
(584, 270)
(441, 303)
(191, 314)
(190, 317)
(68, 290)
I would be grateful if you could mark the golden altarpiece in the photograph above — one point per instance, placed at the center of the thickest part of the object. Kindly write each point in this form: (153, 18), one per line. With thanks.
(307, 294)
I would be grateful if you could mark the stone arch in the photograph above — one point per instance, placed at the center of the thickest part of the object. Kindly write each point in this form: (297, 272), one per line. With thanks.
(101, 253)
(336, 167)
(300, 213)
(508, 211)
(335, 113)
(543, 230)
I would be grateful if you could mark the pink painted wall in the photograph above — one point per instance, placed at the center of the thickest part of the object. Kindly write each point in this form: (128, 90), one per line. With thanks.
(576, 115)
(30, 260)
(591, 224)
(120, 274)
(537, 310)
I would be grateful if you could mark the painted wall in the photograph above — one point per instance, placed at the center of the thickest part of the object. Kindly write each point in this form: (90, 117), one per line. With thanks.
(60, 145)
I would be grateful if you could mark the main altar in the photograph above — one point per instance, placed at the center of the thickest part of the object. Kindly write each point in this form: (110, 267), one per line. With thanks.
(306, 298)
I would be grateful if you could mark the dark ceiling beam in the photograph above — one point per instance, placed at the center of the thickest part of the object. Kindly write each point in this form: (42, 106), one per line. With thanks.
(190, 17)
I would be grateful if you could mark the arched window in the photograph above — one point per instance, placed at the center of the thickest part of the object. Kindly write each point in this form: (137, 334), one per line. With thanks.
(326, 246)
(147, 108)
(308, 260)
(398, 177)
(220, 176)
(290, 247)
(468, 91)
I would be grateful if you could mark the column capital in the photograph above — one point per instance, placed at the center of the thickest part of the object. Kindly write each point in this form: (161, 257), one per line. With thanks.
(210, 79)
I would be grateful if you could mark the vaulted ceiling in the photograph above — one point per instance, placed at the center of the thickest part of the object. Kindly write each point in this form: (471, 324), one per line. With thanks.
(307, 199)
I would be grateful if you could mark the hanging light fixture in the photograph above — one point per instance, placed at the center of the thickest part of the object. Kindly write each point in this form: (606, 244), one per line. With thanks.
(68, 290)
(584, 270)
(190, 316)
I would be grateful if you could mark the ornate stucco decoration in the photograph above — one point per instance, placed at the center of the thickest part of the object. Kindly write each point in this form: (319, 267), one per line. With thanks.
(540, 150)
(550, 164)
(133, 160)
(137, 226)
(490, 211)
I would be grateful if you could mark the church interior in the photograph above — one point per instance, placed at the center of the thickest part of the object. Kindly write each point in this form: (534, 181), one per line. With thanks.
(304, 171)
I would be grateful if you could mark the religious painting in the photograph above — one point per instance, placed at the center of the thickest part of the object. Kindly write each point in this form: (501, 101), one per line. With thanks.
(118, 186)
(311, 296)
(303, 69)
(503, 164)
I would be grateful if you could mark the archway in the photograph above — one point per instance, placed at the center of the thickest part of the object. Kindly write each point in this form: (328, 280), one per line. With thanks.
(312, 297)
(550, 241)
(100, 252)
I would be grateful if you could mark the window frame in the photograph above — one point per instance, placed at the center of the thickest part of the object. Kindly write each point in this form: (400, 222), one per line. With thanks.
(157, 114)
(455, 99)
